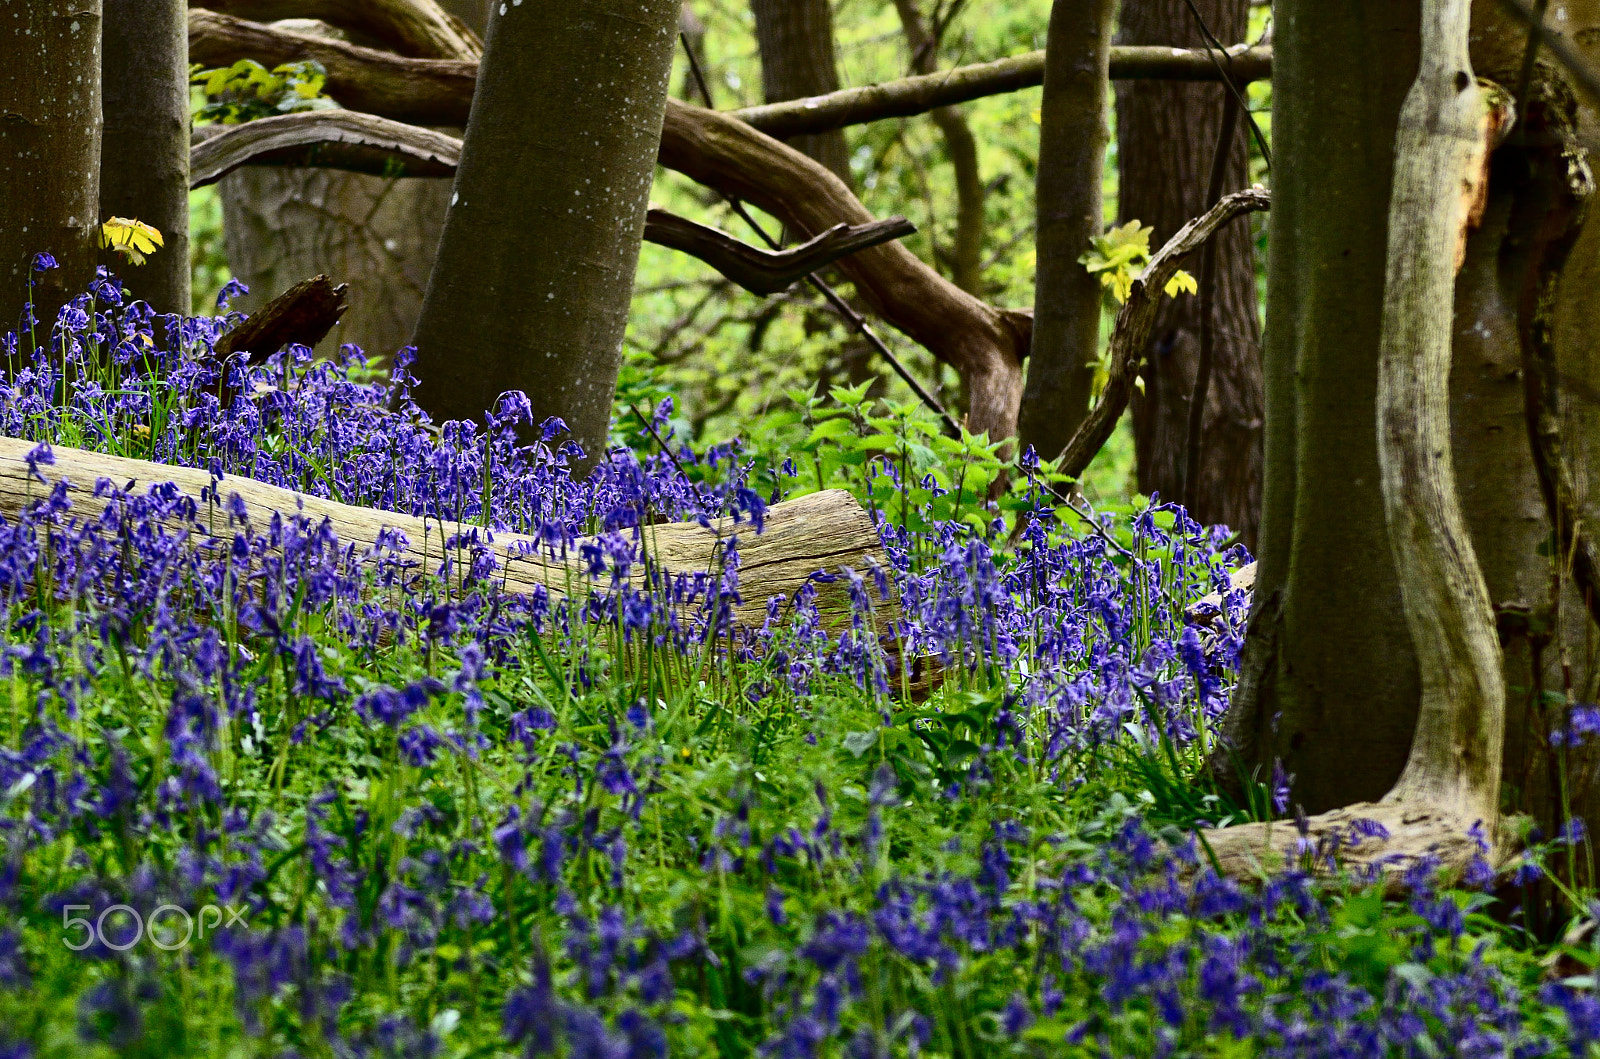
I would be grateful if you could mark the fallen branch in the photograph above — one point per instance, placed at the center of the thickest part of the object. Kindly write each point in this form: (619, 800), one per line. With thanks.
(766, 272)
(1131, 334)
(911, 96)
(303, 314)
(420, 29)
(345, 139)
(823, 531)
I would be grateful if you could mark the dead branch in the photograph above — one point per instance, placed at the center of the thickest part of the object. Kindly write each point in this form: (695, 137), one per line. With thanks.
(766, 272)
(419, 29)
(1131, 334)
(303, 314)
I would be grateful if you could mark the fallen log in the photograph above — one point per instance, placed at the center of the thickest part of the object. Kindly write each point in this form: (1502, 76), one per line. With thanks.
(827, 531)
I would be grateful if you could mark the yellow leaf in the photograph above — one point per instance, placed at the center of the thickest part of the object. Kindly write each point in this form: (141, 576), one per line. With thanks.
(130, 238)
(1181, 282)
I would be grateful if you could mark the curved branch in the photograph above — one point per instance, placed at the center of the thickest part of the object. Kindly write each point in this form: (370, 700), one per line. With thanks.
(329, 139)
(762, 271)
(420, 29)
(1131, 334)
(344, 139)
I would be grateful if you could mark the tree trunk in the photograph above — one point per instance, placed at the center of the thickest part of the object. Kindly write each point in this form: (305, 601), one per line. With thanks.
(1072, 151)
(797, 60)
(1329, 682)
(534, 276)
(144, 158)
(377, 234)
(1166, 140)
(50, 140)
(966, 256)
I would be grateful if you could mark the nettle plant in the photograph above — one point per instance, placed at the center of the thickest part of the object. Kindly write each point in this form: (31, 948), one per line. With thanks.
(460, 821)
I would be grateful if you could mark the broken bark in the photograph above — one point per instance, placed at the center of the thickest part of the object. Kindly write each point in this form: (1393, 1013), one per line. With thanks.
(1131, 334)
(303, 314)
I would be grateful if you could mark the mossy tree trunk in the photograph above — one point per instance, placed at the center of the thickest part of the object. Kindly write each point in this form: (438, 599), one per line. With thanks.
(144, 157)
(1166, 140)
(532, 284)
(49, 150)
(1072, 150)
(1329, 685)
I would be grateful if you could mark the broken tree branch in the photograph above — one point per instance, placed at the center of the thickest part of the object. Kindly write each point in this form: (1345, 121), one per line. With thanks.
(419, 29)
(303, 314)
(1131, 334)
(766, 272)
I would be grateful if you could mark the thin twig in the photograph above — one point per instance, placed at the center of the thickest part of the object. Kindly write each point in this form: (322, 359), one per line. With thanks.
(1213, 48)
(1208, 298)
(1575, 64)
(828, 293)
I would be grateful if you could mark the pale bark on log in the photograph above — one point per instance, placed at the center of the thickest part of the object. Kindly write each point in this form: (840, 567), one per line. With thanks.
(826, 531)
(1131, 334)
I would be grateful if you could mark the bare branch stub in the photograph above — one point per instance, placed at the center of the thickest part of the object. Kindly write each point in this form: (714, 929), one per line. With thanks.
(767, 272)
(303, 314)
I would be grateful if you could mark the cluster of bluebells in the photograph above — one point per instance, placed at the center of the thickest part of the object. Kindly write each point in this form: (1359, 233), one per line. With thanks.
(438, 807)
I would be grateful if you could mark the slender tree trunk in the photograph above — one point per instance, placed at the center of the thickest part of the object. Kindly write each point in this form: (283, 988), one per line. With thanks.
(1329, 682)
(377, 234)
(50, 142)
(966, 256)
(1166, 140)
(144, 158)
(534, 276)
(1072, 151)
(797, 60)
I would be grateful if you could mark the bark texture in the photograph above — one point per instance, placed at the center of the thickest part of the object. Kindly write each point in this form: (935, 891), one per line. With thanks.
(797, 60)
(966, 255)
(420, 28)
(1072, 151)
(374, 232)
(1329, 682)
(1440, 154)
(532, 284)
(49, 150)
(144, 156)
(1166, 139)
